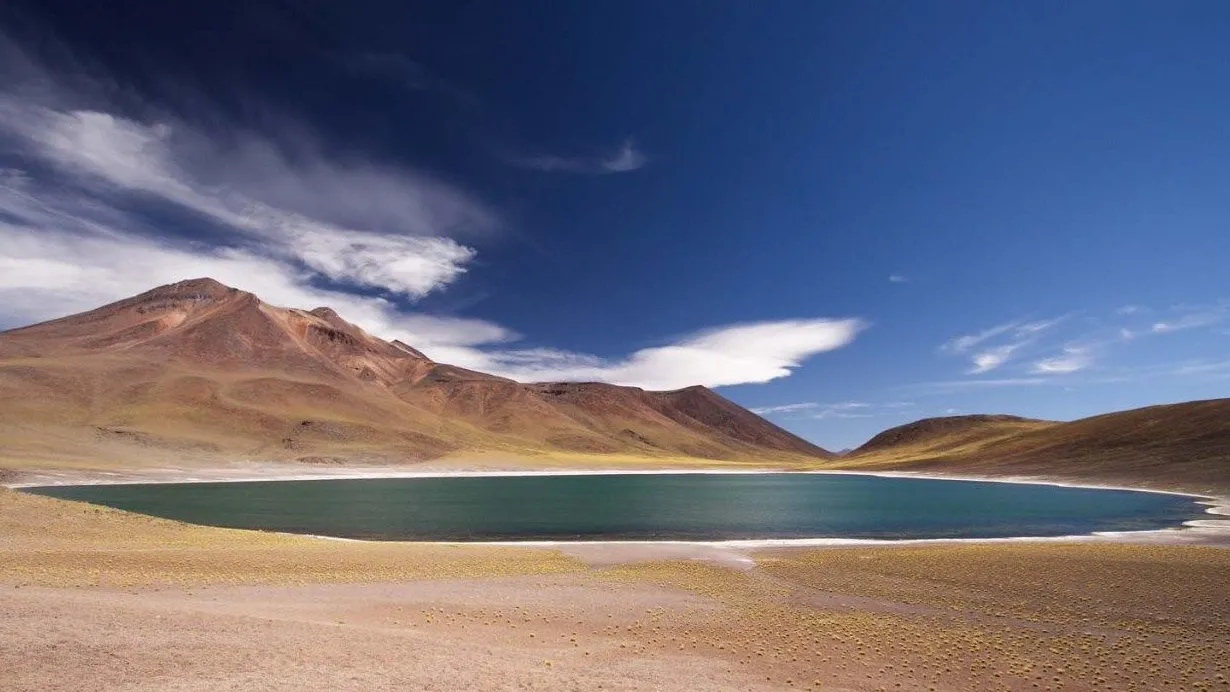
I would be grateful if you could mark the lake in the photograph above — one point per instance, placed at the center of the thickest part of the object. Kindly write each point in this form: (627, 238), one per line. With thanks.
(695, 507)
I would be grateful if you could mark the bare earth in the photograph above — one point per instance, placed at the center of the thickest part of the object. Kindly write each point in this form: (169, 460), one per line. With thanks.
(92, 598)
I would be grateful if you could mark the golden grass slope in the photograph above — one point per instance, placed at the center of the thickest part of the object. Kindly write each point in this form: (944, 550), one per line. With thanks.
(1183, 445)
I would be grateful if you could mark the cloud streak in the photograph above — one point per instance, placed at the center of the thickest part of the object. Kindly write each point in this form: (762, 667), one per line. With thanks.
(735, 354)
(1009, 339)
(784, 408)
(627, 158)
(841, 410)
(985, 361)
(1189, 321)
(1072, 359)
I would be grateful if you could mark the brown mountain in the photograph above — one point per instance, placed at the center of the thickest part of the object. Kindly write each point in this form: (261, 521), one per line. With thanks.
(1178, 445)
(199, 369)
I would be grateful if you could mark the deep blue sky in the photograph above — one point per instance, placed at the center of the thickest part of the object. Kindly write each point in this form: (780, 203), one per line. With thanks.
(650, 170)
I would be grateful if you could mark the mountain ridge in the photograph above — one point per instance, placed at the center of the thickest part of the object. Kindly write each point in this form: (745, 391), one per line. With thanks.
(203, 362)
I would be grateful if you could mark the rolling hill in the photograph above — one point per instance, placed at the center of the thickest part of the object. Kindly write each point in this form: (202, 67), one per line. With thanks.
(197, 371)
(1184, 445)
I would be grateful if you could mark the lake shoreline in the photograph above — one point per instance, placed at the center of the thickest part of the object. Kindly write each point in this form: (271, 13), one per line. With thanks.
(1196, 531)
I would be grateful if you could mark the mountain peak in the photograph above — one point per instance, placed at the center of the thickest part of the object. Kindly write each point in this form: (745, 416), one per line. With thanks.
(325, 313)
(204, 285)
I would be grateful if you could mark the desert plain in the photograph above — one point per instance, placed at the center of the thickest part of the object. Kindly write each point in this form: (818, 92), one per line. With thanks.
(96, 598)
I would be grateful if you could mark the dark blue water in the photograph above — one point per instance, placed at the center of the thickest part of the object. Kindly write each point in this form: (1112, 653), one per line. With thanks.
(654, 507)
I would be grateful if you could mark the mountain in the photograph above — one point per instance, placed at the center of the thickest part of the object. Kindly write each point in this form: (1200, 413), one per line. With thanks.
(197, 369)
(1183, 445)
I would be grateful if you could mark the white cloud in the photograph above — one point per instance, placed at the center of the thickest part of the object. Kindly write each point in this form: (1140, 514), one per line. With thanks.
(410, 253)
(898, 278)
(1189, 321)
(985, 361)
(1008, 338)
(1073, 359)
(784, 408)
(841, 410)
(1130, 309)
(735, 354)
(1039, 326)
(1017, 329)
(962, 344)
(861, 409)
(847, 409)
(628, 157)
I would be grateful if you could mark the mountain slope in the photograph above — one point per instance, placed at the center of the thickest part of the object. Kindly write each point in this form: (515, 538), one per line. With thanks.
(931, 436)
(1178, 445)
(200, 370)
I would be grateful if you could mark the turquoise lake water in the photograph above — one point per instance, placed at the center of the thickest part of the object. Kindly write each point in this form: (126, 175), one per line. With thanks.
(704, 507)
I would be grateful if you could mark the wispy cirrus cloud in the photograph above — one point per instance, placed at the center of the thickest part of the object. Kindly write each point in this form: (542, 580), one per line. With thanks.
(784, 408)
(966, 342)
(844, 409)
(1072, 359)
(991, 358)
(1191, 320)
(626, 158)
(1088, 343)
(898, 279)
(995, 346)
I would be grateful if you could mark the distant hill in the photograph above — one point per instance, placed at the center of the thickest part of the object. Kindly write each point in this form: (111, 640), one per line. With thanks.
(1179, 445)
(197, 369)
(947, 434)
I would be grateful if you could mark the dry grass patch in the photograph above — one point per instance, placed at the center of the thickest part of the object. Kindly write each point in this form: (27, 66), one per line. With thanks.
(50, 542)
(969, 617)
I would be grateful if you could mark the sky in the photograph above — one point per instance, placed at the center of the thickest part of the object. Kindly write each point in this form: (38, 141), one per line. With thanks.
(845, 216)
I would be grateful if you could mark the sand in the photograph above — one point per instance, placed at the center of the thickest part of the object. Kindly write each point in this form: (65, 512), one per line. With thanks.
(93, 598)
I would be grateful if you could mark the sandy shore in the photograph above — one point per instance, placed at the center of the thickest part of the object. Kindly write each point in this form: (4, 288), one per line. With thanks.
(99, 599)
(94, 598)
